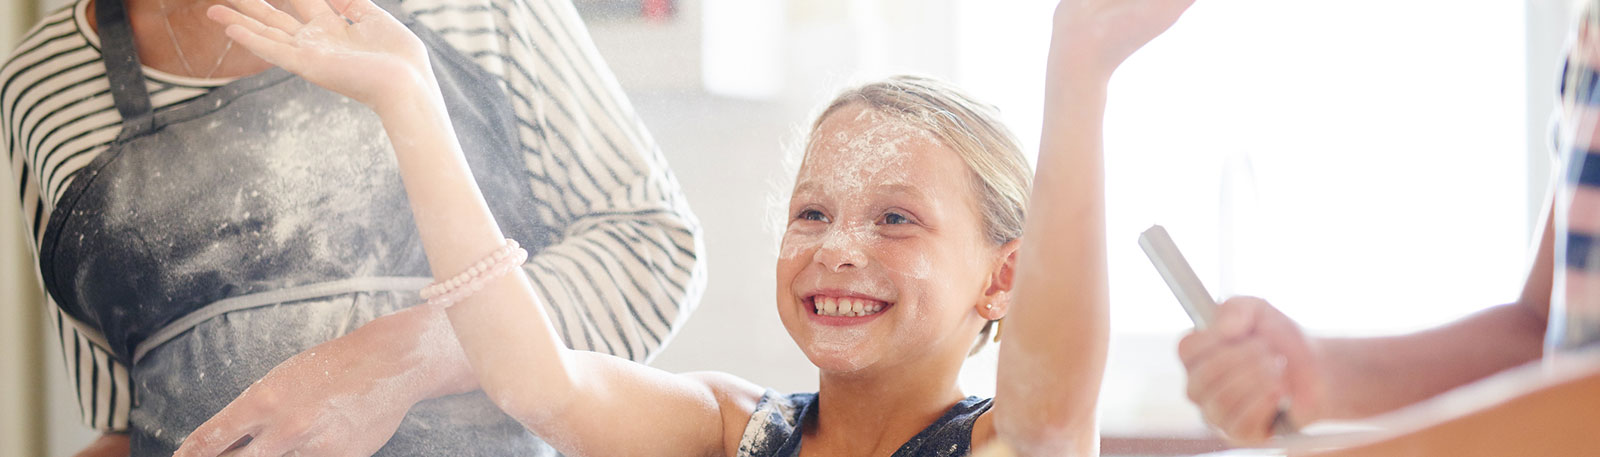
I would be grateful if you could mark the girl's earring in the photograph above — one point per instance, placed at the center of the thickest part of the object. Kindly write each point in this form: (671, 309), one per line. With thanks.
(988, 306)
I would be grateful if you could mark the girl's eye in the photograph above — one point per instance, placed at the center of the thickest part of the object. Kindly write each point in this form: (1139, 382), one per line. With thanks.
(811, 215)
(895, 219)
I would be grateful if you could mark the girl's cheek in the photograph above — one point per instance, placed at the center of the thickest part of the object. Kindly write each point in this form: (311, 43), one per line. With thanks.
(917, 266)
(797, 242)
(906, 257)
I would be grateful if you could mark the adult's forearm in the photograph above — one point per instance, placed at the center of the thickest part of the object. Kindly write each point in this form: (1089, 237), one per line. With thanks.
(1368, 376)
(107, 445)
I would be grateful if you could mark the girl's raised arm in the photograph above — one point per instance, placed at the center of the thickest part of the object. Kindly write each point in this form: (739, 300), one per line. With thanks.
(583, 403)
(1056, 332)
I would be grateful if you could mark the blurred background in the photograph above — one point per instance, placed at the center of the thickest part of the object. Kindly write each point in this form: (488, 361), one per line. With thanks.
(1370, 166)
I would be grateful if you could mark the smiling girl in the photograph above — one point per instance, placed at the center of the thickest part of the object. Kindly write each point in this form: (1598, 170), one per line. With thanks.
(904, 244)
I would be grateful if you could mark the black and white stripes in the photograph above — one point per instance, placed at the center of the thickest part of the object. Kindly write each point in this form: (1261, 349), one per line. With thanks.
(105, 394)
(626, 273)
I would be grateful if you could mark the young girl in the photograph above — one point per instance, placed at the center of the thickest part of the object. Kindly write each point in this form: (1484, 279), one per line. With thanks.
(903, 244)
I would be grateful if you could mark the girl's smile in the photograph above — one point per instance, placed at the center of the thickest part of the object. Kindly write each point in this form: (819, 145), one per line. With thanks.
(884, 254)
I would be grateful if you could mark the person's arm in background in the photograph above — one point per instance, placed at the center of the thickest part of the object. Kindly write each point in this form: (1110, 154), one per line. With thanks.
(1240, 368)
(1237, 379)
(1556, 416)
(1367, 376)
(622, 277)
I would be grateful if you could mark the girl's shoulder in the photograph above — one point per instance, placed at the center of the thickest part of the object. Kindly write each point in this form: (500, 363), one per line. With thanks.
(740, 403)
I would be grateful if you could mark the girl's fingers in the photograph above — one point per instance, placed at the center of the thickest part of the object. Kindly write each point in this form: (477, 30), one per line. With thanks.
(230, 16)
(276, 52)
(267, 14)
(313, 8)
(357, 10)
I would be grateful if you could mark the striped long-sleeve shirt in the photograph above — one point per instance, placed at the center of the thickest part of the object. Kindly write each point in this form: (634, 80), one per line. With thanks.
(625, 274)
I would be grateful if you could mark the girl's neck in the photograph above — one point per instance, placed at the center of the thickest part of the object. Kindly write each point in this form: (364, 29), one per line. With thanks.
(873, 414)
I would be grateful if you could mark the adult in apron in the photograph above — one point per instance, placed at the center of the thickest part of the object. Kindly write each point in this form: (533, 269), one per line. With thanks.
(211, 241)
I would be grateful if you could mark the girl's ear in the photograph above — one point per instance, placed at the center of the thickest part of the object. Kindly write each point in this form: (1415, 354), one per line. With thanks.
(997, 295)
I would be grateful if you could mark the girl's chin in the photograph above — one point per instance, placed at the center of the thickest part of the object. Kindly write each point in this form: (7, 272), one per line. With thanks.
(833, 361)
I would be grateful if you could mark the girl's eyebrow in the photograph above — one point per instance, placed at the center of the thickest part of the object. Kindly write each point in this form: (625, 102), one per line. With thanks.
(915, 192)
(805, 187)
(900, 188)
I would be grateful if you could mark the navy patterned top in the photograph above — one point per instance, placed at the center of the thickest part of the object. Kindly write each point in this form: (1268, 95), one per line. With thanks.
(775, 428)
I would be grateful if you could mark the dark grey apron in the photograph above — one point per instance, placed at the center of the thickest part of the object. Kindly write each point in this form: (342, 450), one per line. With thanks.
(211, 241)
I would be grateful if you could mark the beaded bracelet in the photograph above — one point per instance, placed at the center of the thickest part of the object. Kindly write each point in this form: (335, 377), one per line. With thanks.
(474, 278)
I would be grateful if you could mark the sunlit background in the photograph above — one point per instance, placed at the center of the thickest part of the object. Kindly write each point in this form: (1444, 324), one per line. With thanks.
(1369, 166)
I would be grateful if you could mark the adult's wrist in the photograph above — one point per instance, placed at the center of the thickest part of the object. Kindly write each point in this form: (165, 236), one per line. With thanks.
(423, 353)
(450, 367)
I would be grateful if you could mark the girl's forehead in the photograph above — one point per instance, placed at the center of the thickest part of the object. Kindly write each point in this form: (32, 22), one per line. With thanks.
(861, 140)
(860, 151)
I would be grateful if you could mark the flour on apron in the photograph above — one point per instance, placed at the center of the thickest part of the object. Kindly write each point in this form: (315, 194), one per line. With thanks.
(213, 240)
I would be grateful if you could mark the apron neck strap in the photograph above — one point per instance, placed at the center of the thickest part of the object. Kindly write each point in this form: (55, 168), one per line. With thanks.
(123, 68)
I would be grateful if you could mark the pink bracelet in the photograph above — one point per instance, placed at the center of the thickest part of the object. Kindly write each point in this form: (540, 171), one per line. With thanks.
(496, 264)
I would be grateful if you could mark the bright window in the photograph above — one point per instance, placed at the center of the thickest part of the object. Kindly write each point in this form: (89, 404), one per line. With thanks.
(1364, 163)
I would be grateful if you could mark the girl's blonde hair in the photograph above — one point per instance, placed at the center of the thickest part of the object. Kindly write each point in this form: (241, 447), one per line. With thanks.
(1001, 176)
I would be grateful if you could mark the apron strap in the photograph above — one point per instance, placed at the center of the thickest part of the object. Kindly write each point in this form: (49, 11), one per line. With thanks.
(123, 69)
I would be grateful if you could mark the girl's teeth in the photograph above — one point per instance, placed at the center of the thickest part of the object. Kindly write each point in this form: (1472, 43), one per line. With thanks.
(847, 307)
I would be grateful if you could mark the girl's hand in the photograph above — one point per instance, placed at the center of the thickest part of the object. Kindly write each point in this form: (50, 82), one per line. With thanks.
(361, 52)
(1097, 35)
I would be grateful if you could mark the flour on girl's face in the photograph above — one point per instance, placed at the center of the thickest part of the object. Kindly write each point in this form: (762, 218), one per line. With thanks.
(843, 167)
(858, 168)
(875, 155)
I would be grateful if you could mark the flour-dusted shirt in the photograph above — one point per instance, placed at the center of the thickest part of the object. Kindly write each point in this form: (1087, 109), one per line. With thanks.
(625, 274)
(779, 421)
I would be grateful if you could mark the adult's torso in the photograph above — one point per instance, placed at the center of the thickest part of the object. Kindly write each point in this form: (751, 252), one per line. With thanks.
(226, 233)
